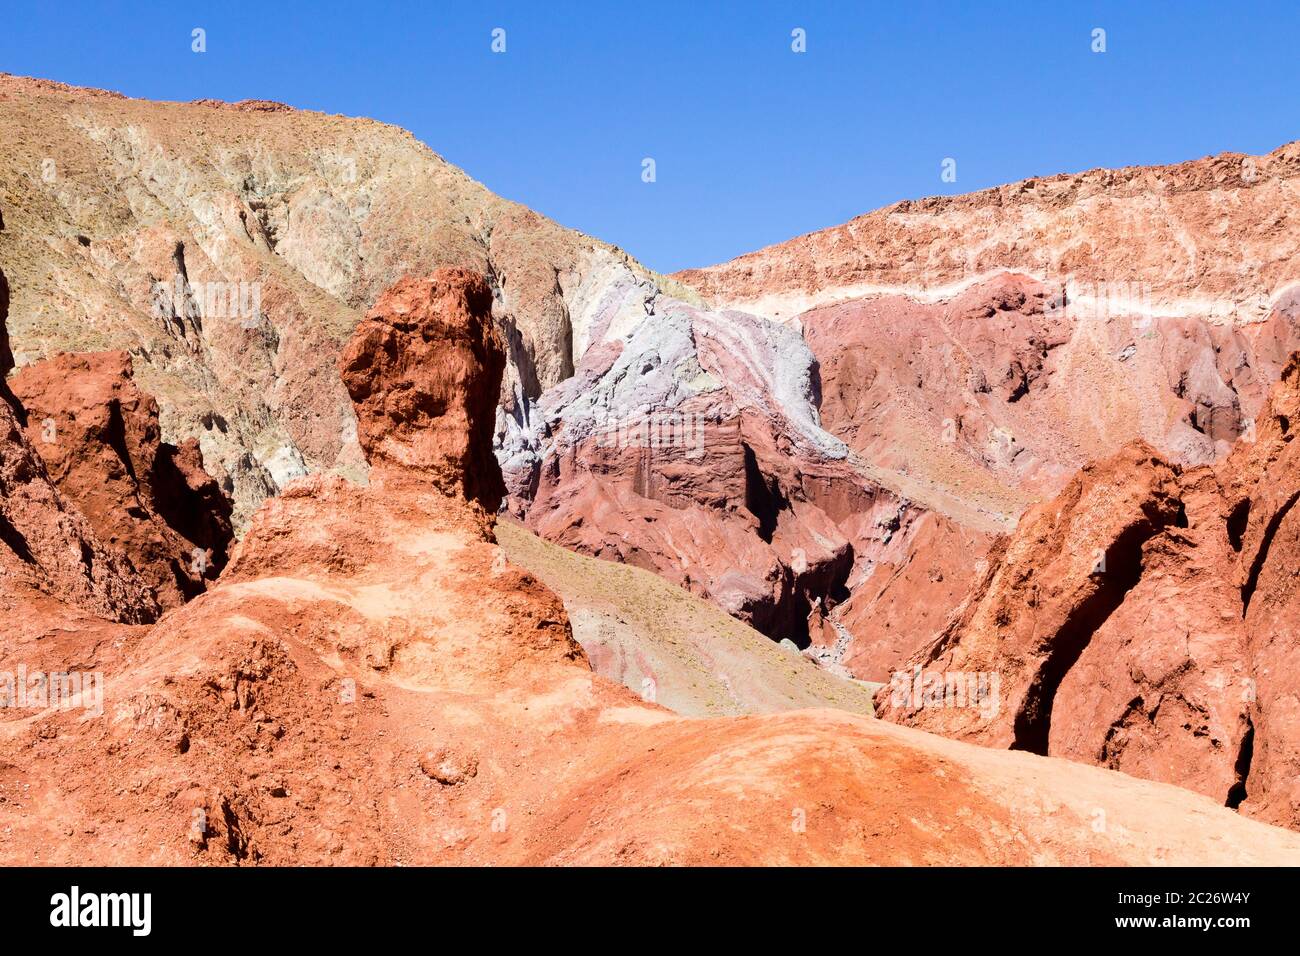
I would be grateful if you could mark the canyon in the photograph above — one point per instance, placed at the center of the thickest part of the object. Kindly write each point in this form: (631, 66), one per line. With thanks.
(369, 683)
(407, 526)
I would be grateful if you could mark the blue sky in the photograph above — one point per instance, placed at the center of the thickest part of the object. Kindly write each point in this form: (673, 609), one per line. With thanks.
(752, 142)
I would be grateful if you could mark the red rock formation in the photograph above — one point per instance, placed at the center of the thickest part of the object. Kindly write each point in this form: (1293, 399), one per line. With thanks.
(692, 449)
(47, 547)
(150, 501)
(1143, 620)
(993, 397)
(905, 602)
(1262, 482)
(1200, 235)
(370, 683)
(424, 372)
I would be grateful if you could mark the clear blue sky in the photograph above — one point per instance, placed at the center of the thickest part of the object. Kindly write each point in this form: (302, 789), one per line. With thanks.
(753, 143)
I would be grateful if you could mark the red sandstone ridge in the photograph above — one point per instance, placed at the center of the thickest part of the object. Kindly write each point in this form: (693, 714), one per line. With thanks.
(99, 437)
(994, 397)
(424, 372)
(369, 682)
(1143, 620)
(1205, 237)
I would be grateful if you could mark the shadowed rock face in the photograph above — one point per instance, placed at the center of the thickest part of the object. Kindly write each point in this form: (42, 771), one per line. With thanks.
(99, 437)
(1143, 620)
(689, 443)
(371, 683)
(6, 353)
(50, 554)
(424, 373)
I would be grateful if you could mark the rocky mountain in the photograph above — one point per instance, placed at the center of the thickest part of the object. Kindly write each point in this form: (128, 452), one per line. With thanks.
(690, 444)
(829, 447)
(370, 682)
(1211, 239)
(993, 399)
(231, 249)
(910, 381)
(988, 346)
(1142, 620)
(270, 377)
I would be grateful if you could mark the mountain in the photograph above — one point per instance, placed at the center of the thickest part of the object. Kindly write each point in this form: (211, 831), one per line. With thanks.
(1211, 239)
(988, 346)
(1143, 620)
(352, 514)
(230, 249)
(369, 682)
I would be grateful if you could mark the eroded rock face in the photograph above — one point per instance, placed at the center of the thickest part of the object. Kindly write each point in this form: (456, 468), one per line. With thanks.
(980, 349)
(1049, 587)
(49, 553)
(690, 444)
(999, 394)
(992, 398)
(99, 437)
(1262, 481)
(1143, 620)
(233, 248)
(369, 683)
(424, 373)
(904, 602)
(953, 416)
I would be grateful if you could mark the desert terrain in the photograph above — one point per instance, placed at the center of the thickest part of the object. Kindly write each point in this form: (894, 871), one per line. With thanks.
(351, 514)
